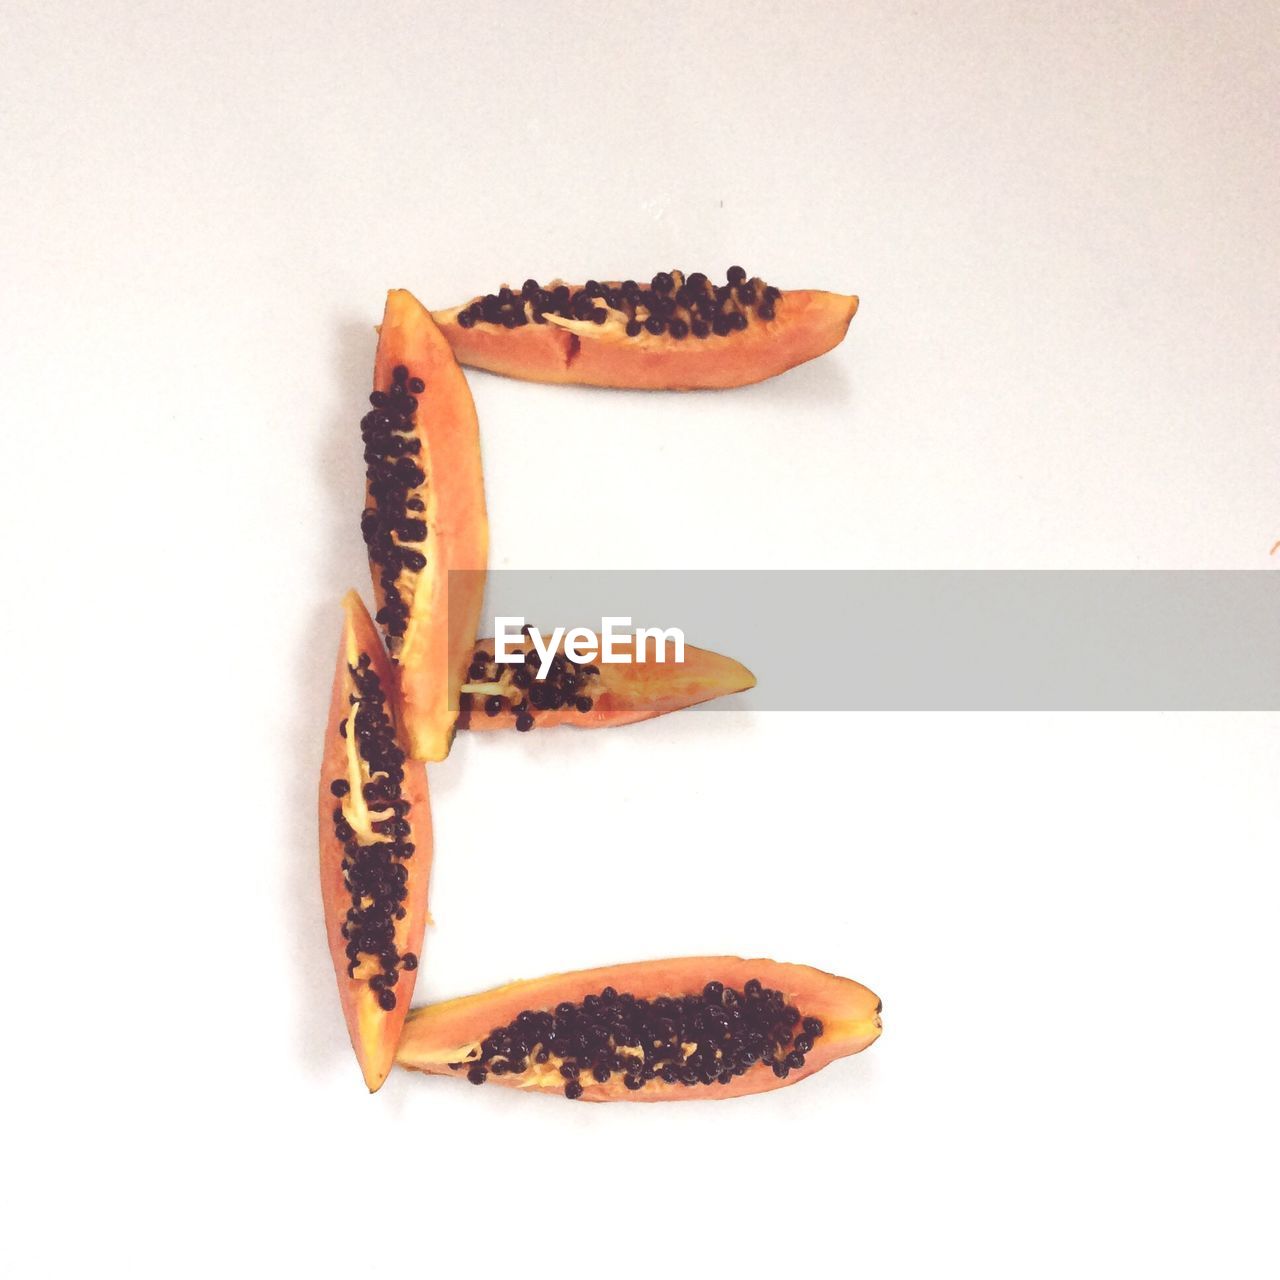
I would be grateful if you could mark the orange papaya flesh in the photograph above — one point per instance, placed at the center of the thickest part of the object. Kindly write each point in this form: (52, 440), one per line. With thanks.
(656, 1031)
(375, 847)
(591, 694)
(424, 519)
(675, 333)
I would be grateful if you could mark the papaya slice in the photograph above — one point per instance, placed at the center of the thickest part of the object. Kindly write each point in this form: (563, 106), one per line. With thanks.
(590, 694)
(375, 847)
(676, 333)
(657, 1031)
(424, 520)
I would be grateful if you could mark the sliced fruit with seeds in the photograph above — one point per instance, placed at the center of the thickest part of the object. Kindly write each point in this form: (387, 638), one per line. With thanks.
(674, 332)
(592, 694)
(375, 847)
(657, 1031)
(424, 521)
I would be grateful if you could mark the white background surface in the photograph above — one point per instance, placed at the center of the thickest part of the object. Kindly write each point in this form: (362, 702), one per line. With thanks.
(1061, 219)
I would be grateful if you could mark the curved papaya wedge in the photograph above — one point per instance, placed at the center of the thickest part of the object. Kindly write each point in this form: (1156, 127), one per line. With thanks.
(375, 847)
(590, 694)
(424, 520)
(656, 1031)
(677, 333)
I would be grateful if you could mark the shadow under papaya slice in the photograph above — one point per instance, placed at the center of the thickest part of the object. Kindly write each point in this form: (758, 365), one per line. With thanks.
(674, 332)
(375, 847)
(657, 1031)
(424, 520)
(591, 694)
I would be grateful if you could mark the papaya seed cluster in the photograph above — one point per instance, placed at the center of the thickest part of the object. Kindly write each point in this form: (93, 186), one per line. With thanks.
(709, 1037)
(673, 303)
(394, 523)
(567, 684)
(374, 870)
